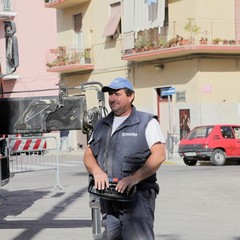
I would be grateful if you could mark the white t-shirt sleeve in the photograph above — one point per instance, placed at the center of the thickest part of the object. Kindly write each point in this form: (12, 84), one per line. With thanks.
(154, 133)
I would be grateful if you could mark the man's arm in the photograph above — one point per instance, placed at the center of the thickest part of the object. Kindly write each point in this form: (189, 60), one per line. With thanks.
(151, 165)
(100, 177)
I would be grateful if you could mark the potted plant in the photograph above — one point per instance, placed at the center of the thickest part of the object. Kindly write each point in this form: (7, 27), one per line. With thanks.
(162, 43)
(87, 55)
(140, 44)
(173, 42)
(232, 42)
(203, 41)
(225, 42)
(216, 41)
(180, 40)
(192, 28)
(75, 57)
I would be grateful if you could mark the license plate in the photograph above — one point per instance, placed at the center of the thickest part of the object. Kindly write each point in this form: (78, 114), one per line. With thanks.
(190, 154)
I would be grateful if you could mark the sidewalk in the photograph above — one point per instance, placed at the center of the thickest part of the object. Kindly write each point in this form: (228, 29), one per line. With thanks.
(171, 159)
(174, 159)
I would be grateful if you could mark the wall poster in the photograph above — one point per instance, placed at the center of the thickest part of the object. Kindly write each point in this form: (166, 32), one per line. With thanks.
(184, 122)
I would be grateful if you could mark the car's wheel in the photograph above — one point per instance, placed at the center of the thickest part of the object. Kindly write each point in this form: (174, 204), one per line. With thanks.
(218, 157)
(189, 162)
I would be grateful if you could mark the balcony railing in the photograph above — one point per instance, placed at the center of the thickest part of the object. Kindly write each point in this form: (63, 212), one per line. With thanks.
(61, 4)
(190, 33)
(63, 60)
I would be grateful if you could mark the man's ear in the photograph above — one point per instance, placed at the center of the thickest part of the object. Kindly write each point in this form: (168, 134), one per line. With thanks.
(132, 97)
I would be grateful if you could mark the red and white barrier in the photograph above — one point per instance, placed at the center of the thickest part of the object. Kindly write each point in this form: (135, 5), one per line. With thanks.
(29, 161)
(28, 144)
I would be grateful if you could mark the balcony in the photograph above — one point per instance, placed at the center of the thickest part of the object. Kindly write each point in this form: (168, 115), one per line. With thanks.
(61, 4)
(62, 60)
(7, 9)
(186, 39)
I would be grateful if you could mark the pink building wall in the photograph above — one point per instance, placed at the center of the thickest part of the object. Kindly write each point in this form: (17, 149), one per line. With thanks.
(36, 33)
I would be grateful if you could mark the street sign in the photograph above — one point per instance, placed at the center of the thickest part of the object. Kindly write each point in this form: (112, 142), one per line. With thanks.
(168, 92)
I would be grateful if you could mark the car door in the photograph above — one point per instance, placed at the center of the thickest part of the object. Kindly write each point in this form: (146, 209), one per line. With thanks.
(228, 141)
(236, 130)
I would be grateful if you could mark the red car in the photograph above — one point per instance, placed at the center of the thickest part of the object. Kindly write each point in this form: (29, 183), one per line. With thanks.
(213, 143)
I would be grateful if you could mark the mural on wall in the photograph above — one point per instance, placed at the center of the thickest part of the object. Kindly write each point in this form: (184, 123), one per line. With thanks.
(184, 120)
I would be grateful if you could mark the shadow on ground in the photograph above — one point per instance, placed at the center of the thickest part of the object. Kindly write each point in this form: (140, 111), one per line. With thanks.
(17, 202)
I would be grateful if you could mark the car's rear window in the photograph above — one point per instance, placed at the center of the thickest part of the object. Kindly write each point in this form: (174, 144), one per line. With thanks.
(200, 132)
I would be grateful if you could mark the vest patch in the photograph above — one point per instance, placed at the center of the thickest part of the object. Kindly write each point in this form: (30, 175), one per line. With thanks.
(129, 134)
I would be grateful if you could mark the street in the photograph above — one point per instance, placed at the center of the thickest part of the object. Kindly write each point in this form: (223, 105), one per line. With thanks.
(200, 202)
(195, 203)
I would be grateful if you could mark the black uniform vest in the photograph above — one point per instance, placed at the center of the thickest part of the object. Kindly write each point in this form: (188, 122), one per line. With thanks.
(126, 150)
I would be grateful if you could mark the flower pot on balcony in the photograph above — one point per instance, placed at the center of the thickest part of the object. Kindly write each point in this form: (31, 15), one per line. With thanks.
(225, 42)
(87, 55)
(203, 41)
(232, 42)
(87, 60)
(216, 41)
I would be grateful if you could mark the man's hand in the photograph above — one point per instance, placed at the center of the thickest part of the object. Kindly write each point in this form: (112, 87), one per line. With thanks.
(100, 179)
(126, 183)
(150, 167)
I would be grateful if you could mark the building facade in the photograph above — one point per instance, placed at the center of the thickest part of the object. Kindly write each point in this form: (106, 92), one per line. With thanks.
(36, 33)
(183, 56)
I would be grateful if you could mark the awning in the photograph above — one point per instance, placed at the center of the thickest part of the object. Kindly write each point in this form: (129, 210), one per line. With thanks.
(113, 20)
(140, 15)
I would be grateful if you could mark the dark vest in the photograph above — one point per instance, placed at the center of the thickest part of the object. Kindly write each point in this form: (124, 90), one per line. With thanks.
(126, 150)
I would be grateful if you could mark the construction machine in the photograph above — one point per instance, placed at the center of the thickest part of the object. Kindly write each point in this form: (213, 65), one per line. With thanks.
(43, 114)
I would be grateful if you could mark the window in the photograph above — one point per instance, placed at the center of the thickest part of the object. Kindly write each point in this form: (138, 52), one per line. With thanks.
(112, 26)
(200, 132)
(227, 132)
(6, 5)
(77, 21)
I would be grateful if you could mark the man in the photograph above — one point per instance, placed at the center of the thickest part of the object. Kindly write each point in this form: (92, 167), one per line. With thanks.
(127, 145)
(64, 138)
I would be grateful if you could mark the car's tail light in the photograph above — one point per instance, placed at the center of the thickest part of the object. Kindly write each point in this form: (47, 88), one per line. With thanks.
(205, 145)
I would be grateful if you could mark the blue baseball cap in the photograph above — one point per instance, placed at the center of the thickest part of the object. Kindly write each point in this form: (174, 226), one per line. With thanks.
(118, 83)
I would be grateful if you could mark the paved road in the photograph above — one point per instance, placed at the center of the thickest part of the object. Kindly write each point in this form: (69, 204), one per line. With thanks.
(199, 203)
(195, 203)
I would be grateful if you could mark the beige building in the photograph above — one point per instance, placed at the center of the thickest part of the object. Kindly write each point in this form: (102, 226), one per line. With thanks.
(183, 56)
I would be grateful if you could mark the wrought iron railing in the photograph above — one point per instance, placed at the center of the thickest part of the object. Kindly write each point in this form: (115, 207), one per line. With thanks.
(190, 32)
(62, 56)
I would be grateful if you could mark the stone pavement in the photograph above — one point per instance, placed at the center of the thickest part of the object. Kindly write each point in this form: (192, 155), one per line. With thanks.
(38, 206)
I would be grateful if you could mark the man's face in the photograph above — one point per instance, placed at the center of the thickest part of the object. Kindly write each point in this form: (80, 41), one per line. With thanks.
(119, 102)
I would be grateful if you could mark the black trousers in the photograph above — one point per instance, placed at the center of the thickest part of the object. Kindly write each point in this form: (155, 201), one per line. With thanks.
(130, 221)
